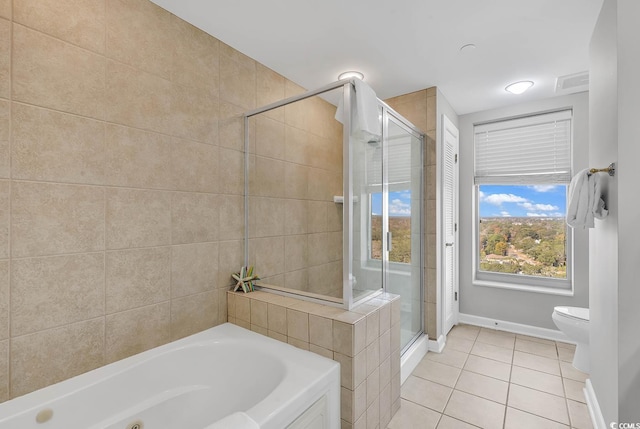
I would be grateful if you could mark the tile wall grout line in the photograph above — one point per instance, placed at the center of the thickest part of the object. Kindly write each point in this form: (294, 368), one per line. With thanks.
(92, 252)
(128, 188)
(51, 36)
(122, 125)
(64, 325)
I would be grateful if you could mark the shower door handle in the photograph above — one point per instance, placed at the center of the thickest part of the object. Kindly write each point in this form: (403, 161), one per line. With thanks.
(389, 241)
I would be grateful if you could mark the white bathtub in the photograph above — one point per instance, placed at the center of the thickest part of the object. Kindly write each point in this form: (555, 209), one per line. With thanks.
(224, 377)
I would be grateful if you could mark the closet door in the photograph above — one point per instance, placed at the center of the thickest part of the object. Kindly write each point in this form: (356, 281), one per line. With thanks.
(450, 223)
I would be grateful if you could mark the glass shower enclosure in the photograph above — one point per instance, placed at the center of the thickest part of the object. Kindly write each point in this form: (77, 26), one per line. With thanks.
(331, 216)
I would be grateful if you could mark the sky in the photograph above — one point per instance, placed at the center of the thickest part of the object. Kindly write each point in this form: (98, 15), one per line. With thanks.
(399, 204)
(522, 200)
(495, 201)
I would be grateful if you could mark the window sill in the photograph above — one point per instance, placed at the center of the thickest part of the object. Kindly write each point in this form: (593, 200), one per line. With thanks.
(524, 288)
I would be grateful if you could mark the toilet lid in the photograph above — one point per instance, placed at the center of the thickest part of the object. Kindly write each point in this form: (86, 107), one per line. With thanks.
(574, 312)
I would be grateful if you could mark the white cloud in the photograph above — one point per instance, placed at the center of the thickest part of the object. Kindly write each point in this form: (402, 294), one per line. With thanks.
(505, 214)
(541, 207)
(398, 207)
(543, 188)
(557, 214)
(546, 207)
(499, 199)
(537, 215)
(480, 195)
(527, 206)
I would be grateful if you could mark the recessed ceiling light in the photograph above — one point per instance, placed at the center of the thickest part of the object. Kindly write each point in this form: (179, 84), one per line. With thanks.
(519, 87)
(350, 74)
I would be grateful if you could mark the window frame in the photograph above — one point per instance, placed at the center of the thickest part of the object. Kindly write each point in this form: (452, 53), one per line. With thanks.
(548, 285)
(519, 281)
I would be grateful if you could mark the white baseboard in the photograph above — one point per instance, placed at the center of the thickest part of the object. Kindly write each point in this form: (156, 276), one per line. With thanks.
(412, 357)
(597, 419)
(437, 345)
(516, 328)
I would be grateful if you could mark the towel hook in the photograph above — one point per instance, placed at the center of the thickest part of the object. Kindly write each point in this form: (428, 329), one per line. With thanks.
(611, 169)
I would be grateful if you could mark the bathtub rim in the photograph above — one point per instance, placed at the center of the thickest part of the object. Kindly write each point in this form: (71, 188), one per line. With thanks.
(266, 413)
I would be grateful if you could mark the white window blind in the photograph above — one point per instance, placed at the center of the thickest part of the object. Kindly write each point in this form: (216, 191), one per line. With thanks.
(536, 149)
(399, 162)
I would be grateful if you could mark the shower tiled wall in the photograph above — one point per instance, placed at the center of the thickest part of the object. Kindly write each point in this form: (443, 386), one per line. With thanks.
(121, 182)
(295, 228)
(420, 109)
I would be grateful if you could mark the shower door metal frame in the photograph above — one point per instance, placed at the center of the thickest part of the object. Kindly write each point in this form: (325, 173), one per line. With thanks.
(402, 122)
(348, 86)
(348, 96)
(347, 193)
(388, 114)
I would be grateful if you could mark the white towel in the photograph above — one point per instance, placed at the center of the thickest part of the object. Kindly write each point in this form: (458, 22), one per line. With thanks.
(585, 201)
(578, 209)
(366, 120)
(598, 207)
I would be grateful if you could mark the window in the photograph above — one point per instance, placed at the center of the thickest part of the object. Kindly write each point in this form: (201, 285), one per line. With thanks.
(522, 169)
(402, 176)
(399, 225)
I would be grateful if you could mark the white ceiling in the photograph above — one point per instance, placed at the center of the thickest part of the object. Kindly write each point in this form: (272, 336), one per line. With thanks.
(407, 45)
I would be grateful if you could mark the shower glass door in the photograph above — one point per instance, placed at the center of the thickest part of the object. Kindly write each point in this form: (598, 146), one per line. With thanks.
(385, 179)
(402, 214)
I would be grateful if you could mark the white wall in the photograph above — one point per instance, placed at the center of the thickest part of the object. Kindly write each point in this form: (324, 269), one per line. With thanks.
(615, 242)
(603, 246)
(628, 210)
(527, 308)
(444, 108)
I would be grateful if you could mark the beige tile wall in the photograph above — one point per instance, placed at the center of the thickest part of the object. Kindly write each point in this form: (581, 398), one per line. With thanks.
(121, 193)
(121, 182)
(365, 341)
(295, 228)
(420, 109)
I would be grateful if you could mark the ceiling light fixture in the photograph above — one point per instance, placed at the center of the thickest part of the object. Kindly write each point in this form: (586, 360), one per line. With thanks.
(519, 87)
(350, 74)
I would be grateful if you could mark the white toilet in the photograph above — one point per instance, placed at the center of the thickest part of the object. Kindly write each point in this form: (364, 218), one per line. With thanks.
(574, 322)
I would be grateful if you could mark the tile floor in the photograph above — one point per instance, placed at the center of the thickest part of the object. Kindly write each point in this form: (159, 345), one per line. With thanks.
(494, 380)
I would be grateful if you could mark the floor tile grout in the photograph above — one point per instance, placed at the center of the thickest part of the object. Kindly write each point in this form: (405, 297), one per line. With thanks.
(505, 406)
(424, 406)
(548, 418)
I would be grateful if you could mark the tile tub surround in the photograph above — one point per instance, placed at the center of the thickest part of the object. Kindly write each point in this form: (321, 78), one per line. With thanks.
(365, 341)
(120, 182)
(495, 379)
(121, 155)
